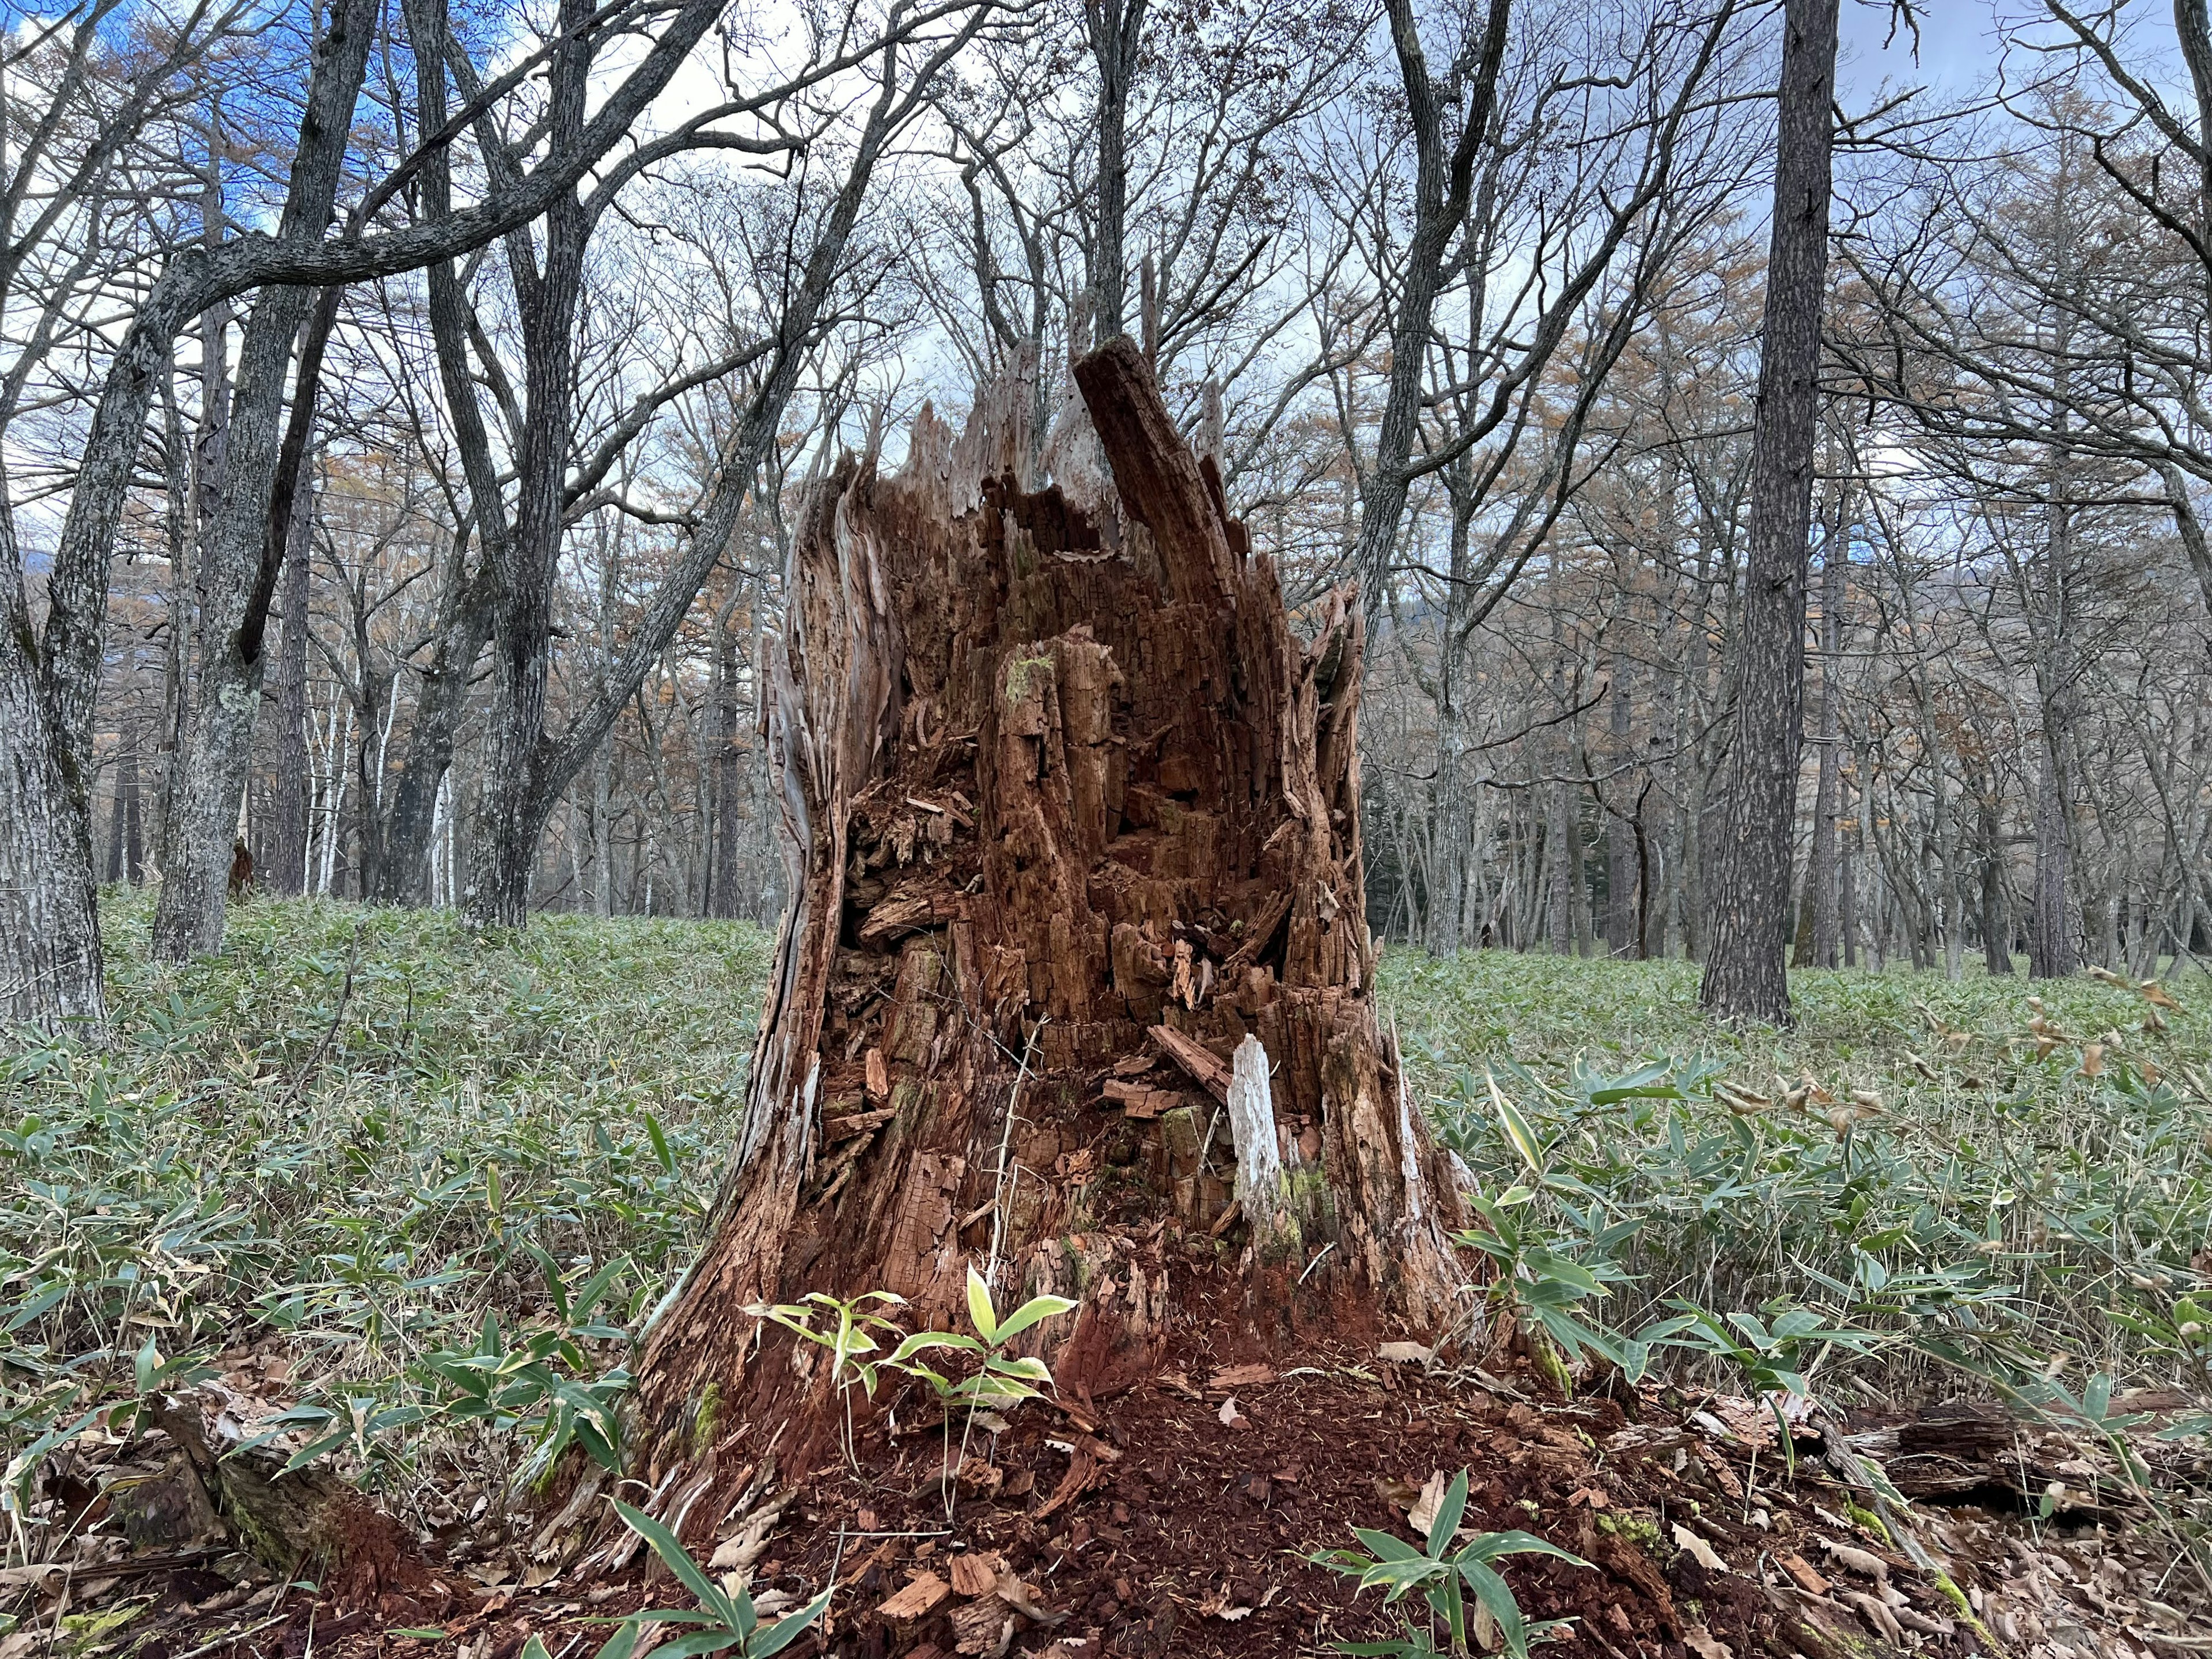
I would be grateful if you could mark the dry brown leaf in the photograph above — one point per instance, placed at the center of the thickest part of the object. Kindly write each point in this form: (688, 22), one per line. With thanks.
(1407, 1353)
(1697, 1550)
(1701, 1642)
(1425, 1506)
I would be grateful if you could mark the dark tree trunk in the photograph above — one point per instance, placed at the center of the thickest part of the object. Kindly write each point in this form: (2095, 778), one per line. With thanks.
(1072, 818)
(286, 860)
(1996, 913)
(50, 962)
(1621, 861)
(243, 552)
(1748, 934)
(404, 876)
(2050, 952)
(729, 757)
(1116, 28)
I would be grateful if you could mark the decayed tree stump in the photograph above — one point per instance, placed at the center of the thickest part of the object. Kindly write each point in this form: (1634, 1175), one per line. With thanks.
(1076, 984)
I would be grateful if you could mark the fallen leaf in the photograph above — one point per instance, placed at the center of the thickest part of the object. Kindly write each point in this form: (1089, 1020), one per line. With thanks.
(1407, 1353)
(1698, 1551)
(1217, 1605)
(1427, 1506)
(1857, 1560)
(1023, 1600)
(1229, 1416)
(1699, 1641)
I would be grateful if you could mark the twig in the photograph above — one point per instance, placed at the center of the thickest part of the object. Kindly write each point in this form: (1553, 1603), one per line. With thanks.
(307, 1072)
(1316, 1261)
(1006, 1137)
(206, 1648)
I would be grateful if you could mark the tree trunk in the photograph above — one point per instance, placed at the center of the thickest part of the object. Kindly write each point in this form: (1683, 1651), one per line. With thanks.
(1449, 923)
(1071, 816)
(1620, 835)
(1745, 975)
(1823, 876)
(260, 470)
(2050, 932)
(50, 962)
(404, 876)
(286, 859)
(1996, 914)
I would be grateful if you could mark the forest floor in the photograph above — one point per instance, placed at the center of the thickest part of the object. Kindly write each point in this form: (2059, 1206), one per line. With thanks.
(362, 1162)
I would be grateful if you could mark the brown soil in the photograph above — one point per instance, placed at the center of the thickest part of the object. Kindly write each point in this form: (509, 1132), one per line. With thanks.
(1167, 1522)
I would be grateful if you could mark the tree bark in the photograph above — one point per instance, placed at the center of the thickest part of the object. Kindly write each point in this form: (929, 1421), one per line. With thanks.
(50, 963)
(404, 876)
(1072, 817)
(1116, 28)
(2050, 931)
(1746, 972)
(286, 860)
(239, 575)
(1823, 875)
(1620, 835)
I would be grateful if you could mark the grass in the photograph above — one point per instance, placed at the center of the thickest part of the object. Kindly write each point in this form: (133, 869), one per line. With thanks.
(364, 1131)
(1915, 1155)
(407, 1156)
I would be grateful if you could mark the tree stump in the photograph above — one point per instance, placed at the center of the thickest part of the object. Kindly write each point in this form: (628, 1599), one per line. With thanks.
(1075, 984)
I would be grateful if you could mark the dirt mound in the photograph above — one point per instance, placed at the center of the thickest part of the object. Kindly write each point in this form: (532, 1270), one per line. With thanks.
(1180, 1519)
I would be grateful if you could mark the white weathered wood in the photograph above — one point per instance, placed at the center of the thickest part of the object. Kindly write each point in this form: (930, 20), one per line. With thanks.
(1260, 1188)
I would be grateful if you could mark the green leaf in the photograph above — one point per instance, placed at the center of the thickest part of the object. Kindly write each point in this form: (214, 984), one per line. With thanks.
(1036, 1308)
(782, 1633)
(1490, 1546)
(985, 1319)
(1446, 1520)
(678, 1561)
(1517, 1130)
(1495, 1594)
(659, 1142)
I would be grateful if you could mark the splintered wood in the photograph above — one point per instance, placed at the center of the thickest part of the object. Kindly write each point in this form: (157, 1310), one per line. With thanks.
(1072, 813)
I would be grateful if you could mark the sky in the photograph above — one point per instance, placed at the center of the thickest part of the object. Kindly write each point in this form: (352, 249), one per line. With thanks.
(1956, 47)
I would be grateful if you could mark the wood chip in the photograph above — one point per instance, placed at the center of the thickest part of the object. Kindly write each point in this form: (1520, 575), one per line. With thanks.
(1205, 1068)
(880, 1077)
(975, 1574)
(1233, 1377)
(981, 1626)
(917, 1600)
(1803, 1574)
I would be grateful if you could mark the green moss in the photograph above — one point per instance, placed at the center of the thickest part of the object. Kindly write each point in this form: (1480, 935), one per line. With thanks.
(1640, 1530)
(1873, 1522)
(703, 1421)
(1020, 672)
(84, 1631)
(1966, 1613)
